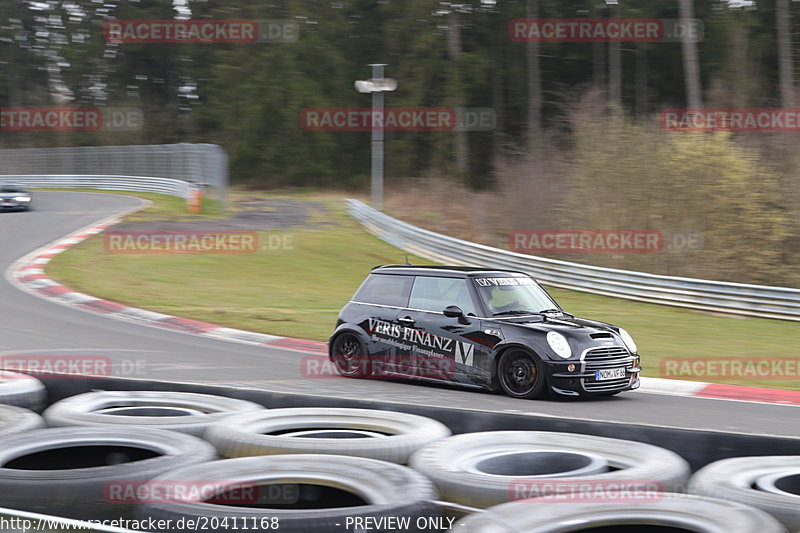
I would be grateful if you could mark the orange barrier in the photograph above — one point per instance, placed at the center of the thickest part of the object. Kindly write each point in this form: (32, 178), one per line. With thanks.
(195, 200)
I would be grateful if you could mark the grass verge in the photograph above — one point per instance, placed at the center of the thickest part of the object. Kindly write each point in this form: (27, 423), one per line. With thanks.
(298, 292)
(293, 292)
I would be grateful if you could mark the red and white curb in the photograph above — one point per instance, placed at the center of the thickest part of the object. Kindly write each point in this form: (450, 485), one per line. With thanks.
(719, 391)
(28, 274)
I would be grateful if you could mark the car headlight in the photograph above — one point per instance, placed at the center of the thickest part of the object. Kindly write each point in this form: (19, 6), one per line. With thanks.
(559, 344)
(22, 199)
(628, 340)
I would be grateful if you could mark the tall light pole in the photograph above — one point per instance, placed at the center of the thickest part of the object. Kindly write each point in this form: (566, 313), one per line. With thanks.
(377, 85)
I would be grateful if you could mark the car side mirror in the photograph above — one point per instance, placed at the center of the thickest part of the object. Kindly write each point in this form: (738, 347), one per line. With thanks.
(453, 311)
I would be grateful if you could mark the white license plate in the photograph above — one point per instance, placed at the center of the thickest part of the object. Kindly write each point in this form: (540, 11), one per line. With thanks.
(610, 373)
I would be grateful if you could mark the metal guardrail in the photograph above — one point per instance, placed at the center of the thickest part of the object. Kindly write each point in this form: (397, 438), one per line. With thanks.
(734, 298)
(205, 164)
(168, 186)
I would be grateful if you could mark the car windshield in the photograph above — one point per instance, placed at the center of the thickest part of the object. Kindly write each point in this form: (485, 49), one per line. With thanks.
(511, 295)
(11, 188)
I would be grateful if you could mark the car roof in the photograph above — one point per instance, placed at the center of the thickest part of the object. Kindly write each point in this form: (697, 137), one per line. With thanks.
(443, 270)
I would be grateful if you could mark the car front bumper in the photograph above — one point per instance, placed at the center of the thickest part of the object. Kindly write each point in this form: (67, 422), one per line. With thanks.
(13, 206)
(583, 381)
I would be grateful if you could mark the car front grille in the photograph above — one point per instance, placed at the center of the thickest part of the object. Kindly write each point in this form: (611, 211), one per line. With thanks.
(610, 357)
(604, 358)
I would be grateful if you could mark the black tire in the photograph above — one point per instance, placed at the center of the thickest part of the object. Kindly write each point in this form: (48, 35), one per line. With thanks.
(745, 480)
(673, 513)
(376, 488)
(487, 468)
(16, 420)
(519, 375)
(177, 411)
(390, 436)
(21, 390)
(35, 476)
(349, 356)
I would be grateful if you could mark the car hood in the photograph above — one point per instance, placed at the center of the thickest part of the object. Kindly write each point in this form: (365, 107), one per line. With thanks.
(8, 195)
(564, 324)
(581, 333)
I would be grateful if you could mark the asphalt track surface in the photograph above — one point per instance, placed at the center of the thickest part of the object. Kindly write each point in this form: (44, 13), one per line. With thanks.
(30, 325)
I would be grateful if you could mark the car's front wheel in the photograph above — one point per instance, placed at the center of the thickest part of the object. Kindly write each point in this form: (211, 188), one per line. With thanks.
(519, 374)
(349, 355)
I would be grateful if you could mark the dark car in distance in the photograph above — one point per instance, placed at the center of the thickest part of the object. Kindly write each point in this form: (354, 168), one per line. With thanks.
(14, 198)
(487, 329)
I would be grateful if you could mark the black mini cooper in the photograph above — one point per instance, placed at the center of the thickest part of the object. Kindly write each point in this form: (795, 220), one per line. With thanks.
(487, 329)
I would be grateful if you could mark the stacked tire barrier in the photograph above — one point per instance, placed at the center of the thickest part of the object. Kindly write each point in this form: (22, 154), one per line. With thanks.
(21, 390)
(67, 471)
(771, 484)
(17, 420)
(188, 458)
(687, 514)
(488, 468)
(139, 454)
(177, 411)
(384, 435)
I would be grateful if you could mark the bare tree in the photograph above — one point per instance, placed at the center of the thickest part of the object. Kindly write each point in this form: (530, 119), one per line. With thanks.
(534, 83)
(691, 64)
(615, 75)
(614, 69)
(496, 73)
(454, 51)
(785, 53)
(599, 63)
(641, 80)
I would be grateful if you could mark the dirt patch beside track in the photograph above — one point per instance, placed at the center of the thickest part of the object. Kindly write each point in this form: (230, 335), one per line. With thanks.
(249, 215)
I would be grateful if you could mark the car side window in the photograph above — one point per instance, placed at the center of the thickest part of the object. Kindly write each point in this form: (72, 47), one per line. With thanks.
(384, 289)
(434, 294)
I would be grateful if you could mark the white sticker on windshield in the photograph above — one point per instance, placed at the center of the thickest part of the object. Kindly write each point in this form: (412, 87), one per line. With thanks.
(495, 282)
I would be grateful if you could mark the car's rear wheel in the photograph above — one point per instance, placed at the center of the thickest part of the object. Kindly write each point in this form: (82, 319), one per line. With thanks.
(519, 374)
(349, 355)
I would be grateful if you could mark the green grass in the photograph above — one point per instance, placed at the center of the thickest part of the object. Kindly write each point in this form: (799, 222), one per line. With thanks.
(298, 292)
(295, 292)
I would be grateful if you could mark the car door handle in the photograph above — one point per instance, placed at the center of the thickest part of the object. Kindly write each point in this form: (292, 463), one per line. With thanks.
(406, 320)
